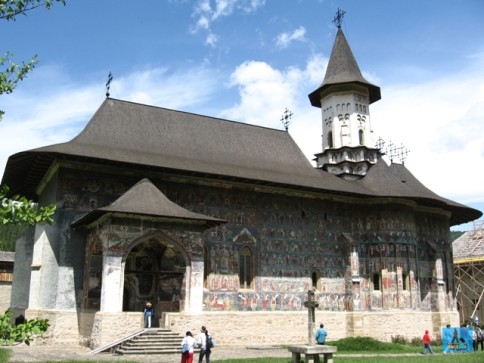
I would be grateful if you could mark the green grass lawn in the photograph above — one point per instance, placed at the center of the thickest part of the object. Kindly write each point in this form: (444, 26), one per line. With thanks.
(361, 349)
(440, 358)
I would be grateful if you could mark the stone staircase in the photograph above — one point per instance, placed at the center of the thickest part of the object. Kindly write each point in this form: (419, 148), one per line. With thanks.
(150, 341)
(145, 341)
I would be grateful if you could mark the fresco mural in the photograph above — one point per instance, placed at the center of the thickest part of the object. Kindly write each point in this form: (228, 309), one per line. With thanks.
(294, 245)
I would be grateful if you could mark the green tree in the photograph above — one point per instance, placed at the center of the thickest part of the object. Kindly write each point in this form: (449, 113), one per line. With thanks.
(17, 209)
(23, 332)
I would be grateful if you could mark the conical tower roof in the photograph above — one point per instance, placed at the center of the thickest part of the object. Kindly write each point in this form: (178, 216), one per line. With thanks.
(343, 69)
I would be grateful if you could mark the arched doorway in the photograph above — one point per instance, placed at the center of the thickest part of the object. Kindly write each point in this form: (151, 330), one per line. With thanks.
(154, 271)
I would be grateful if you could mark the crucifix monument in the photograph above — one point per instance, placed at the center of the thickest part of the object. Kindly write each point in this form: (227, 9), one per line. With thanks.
(311, 351)
(311, 304)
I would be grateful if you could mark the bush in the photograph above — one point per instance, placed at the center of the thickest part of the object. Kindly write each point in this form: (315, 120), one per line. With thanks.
(399, 339)
(23, 332)
(366, 344)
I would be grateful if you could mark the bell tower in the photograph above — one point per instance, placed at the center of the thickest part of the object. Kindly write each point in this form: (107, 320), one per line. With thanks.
(344, 98)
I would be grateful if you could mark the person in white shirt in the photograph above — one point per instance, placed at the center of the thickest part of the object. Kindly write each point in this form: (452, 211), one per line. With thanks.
(187, 345)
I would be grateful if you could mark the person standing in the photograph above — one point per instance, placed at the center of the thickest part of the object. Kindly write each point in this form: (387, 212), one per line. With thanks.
(321, 334)
(480, 337)
(188, 345)
(448, 336)
(148, 313)
(426, 343)
(202, 342)
(474, 339)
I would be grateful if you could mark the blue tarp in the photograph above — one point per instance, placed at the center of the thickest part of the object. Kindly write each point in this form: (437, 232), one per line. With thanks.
(457, 339)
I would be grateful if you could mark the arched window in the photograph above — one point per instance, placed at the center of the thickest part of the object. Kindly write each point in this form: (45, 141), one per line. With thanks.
(361, 138)
(315, 278)
(330, 139)
(246, 268)
(376, 281)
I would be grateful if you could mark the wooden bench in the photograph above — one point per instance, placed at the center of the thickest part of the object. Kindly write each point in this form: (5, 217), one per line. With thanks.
(312, 352)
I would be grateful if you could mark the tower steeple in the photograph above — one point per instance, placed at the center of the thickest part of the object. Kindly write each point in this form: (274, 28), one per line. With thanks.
(344, 98)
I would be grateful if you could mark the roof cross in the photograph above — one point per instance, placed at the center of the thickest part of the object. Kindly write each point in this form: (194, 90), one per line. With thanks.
(338, 19)
(286, 118)
(108, 83)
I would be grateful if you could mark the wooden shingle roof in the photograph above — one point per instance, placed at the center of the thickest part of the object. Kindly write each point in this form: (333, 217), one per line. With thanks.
(343, 69)
(6, 256)
(138, 136)
(469, 246)
(145, 199)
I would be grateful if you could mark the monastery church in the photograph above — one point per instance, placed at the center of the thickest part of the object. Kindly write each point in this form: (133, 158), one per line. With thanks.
(228, 225)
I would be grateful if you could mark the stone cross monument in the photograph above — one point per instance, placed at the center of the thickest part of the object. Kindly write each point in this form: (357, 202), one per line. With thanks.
(311, 304)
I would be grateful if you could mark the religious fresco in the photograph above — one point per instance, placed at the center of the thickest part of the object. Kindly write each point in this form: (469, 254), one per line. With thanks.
(82, 191)
(94, 272)
(291, 242)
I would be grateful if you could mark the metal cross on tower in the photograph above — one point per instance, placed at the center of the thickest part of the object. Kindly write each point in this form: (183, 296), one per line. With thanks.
(338, 19)
(286, 118)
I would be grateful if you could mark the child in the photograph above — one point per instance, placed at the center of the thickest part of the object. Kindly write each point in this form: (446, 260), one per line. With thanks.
(426, 343)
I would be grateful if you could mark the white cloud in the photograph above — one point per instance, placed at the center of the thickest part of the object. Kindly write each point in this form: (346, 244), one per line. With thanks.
(283, 40)
(440, 122)
(206, 14)
(211, 39)
(57, 114)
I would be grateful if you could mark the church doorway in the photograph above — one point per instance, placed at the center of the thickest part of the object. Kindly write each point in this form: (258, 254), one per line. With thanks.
(155, 272)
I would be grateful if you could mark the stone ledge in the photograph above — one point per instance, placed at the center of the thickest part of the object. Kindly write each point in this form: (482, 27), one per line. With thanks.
(312, 349)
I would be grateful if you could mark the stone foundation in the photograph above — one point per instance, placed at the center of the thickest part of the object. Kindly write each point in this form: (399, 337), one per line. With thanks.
(249, 328)
(242, 328)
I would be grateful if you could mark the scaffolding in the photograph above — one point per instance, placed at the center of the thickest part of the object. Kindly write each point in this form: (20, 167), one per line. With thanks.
(468, 253)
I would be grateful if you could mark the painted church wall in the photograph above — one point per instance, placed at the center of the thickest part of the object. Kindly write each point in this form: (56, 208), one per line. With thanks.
(292, 240)
(58, 258)
(19, 300)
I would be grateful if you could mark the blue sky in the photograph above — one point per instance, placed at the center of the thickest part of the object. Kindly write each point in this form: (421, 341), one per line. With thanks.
(247, 60)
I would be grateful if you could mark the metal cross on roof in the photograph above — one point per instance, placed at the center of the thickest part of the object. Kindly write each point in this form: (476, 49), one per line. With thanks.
(338, 19)
(286, 118)
(108, 84)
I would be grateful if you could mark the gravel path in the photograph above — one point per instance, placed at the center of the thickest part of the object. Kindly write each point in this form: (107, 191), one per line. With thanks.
(24, 353)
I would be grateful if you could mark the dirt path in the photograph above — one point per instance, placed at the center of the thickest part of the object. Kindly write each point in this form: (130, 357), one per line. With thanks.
(23, 353)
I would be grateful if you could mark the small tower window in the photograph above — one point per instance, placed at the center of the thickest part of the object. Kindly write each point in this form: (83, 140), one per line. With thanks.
(330, 139)
(361, 138)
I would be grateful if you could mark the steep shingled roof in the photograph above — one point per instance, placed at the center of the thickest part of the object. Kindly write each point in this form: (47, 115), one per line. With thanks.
(146, 199)
(343, 69)
(395, 180)
(138, 136)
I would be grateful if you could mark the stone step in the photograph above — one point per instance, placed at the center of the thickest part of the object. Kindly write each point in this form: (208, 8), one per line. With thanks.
(152, 341)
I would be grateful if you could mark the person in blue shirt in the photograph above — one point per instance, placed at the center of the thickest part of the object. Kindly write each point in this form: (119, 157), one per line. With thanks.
(321, 334)
(148, 313)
